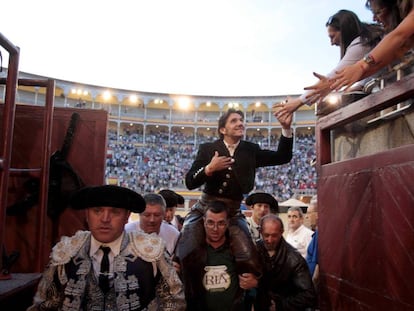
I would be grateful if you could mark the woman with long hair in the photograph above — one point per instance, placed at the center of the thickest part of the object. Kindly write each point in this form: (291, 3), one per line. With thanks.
(392, 47)
(385, 12)
(354, 38)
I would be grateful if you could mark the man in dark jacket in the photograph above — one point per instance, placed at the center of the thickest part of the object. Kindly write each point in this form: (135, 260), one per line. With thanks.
(286, 283)
(215, 283)
(226, 169)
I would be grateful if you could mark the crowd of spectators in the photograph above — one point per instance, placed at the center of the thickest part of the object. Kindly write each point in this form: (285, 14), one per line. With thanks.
(163, 161)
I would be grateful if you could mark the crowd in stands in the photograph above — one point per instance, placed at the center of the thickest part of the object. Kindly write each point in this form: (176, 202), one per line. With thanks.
(163, 161)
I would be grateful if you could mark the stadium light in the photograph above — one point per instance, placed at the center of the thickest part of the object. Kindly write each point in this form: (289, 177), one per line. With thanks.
(233, 105)
(133, 98)
(333, 99)
(330, 103)
(107, 95)
(184, 103)
(80, 92)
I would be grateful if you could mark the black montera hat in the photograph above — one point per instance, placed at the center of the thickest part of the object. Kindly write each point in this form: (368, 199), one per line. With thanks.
(172, 199)
(108, 195)
(263, 197)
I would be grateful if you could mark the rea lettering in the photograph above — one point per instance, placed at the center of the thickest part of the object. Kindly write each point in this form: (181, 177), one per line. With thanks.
(216, 278)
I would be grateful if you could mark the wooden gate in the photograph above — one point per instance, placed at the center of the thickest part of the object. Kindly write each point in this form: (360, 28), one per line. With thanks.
(366, 203)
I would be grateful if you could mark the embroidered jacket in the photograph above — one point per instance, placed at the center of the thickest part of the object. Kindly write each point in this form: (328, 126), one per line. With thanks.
(69, 282)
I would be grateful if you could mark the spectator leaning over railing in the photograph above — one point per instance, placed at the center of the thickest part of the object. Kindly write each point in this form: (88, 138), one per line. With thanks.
(355, 39)
(392, 47)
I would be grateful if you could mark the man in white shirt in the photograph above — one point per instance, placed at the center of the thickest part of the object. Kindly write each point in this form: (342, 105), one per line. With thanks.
(298, 235)
(151, 220)
(261, 204)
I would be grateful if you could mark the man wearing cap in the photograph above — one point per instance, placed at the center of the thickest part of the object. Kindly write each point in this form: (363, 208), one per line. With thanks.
(261, 203)
(172, 199)
(151, 221)
(106, 268)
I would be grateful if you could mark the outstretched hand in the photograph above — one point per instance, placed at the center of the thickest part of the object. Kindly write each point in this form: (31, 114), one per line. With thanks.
(284, 115)
(320, 89)
(283, 111)
(289, 106)
(347, 76)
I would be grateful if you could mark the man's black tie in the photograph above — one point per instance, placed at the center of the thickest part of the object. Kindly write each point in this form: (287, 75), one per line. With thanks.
(104, 275)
